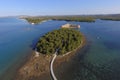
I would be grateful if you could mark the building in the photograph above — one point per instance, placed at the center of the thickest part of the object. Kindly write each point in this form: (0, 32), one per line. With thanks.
(70, 26)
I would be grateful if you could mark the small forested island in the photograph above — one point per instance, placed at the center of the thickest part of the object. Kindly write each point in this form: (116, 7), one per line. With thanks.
(64, 39)
(38, 68)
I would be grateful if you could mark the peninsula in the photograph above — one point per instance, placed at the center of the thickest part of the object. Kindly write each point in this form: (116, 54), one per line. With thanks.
(35, 20)
(62, 42)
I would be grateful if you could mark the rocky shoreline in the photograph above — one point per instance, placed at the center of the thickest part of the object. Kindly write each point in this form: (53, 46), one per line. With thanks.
(38, 68)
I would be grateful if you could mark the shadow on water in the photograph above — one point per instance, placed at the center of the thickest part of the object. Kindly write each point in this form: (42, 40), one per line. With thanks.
(35, 41)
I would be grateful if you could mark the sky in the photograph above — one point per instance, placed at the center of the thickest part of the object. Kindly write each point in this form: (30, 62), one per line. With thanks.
(58, 7)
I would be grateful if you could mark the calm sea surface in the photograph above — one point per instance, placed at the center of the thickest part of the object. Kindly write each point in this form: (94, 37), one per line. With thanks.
(100, 59)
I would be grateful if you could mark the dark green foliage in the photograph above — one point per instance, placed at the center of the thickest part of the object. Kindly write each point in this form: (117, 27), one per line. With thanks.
(79, 18)
(35, 20)
(75, 18)
(65, 39)
(111, 18)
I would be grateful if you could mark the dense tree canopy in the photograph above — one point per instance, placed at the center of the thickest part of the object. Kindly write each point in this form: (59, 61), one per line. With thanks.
(75, 18)
(64, 39)
(35, 20)
(78, 18)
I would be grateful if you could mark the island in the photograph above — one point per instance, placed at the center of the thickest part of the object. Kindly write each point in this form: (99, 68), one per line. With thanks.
(62, 43)
(64, 39)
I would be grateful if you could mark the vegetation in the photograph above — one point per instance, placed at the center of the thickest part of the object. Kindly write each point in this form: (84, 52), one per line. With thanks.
(79, 18)
(75, 18)
(35, 20)
(64, 39)
(111, 18)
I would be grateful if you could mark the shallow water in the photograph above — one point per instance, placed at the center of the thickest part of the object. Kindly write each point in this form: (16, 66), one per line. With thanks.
(17, 39)
(100, 59)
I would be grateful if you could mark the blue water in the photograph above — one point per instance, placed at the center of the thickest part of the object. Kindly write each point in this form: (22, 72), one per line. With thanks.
(101, 55)
(17, 39)
(99, 59)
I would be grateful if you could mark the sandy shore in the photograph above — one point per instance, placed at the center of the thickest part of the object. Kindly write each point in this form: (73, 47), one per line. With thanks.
(38, 68)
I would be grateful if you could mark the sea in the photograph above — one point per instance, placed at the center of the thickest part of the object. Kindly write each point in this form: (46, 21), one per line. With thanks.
(99, 59)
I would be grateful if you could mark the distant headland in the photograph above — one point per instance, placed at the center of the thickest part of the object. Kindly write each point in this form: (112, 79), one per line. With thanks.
(37, 20)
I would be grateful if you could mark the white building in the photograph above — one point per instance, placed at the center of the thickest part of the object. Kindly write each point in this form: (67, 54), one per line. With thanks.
(70, 26)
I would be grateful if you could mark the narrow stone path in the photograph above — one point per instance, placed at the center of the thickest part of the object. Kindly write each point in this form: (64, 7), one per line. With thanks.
(51, 66)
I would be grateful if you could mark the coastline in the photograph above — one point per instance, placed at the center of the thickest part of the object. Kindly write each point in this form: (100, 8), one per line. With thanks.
(38, 67)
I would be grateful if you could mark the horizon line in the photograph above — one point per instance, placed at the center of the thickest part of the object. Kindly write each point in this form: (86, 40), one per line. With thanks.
(63, 15)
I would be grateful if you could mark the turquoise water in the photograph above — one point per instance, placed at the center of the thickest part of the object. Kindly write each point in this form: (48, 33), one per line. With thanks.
(17, 39)
(98, 60)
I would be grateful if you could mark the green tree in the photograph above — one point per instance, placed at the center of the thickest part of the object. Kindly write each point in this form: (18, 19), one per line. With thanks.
(65, 39)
